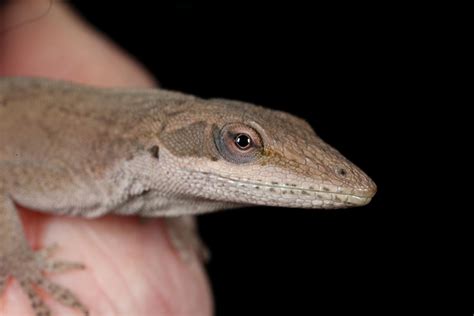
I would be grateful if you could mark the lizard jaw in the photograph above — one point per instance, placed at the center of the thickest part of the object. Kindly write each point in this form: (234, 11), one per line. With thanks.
(262, 193)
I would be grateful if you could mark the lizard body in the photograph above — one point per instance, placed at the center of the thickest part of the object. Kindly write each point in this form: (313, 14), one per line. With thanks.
(86, 151)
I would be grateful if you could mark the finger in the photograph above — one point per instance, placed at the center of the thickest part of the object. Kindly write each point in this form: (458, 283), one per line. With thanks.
(33, 49)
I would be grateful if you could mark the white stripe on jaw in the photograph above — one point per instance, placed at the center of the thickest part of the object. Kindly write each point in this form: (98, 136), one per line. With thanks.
(323, 197)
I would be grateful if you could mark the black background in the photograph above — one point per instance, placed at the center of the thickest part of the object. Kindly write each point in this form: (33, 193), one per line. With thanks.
(350, 71)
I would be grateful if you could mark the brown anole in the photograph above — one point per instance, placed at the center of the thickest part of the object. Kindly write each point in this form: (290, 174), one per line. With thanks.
(84, 151)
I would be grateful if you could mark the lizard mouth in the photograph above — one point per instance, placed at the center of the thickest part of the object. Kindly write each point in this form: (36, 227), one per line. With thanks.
(288, 195)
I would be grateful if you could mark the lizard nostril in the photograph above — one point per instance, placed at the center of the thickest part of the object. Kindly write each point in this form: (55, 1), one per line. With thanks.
(342, 172)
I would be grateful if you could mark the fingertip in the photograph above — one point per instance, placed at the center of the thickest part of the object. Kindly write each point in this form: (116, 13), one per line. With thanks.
(59, 44)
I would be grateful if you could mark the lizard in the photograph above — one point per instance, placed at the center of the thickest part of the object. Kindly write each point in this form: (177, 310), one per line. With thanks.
(79, 150)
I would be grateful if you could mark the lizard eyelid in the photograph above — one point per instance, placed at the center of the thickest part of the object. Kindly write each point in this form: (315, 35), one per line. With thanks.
(238, 143)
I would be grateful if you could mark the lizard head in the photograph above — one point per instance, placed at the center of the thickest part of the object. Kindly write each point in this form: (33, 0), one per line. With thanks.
(239, 153)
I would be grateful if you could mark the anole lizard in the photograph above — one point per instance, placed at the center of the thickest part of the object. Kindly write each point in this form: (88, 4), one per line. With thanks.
(85, 151)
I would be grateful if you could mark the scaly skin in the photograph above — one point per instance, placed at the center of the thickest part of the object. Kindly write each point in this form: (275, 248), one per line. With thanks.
(86, 151)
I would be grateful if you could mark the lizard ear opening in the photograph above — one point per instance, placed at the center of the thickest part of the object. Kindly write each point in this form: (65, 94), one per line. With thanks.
(238, 143)
(154, 151)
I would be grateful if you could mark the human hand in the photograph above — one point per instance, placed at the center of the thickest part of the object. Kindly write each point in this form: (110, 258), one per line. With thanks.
(131, 268)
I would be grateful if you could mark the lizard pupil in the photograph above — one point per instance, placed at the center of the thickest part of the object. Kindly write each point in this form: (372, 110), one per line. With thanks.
(243, 141)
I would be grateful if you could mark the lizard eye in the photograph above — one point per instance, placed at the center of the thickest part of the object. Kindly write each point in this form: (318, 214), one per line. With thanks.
(243, 141)
(238, 143)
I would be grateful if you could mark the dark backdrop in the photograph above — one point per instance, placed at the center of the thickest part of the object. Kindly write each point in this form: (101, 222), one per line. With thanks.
(344, 69)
